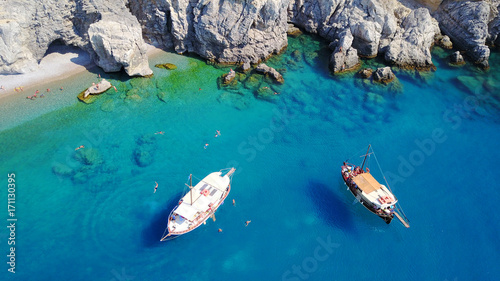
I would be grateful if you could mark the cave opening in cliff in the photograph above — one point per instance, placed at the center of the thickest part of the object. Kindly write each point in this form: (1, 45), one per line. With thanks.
(76, 54)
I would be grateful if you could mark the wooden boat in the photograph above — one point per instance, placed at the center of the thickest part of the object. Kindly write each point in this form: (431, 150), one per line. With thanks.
(376, 197)
(199, 203)
(88, 95)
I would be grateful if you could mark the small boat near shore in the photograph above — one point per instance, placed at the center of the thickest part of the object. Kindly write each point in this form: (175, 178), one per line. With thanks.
(376, 197)
(88, 95)
(199, 203)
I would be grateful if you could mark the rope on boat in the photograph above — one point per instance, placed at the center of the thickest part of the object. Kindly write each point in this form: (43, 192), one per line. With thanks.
(398, 206)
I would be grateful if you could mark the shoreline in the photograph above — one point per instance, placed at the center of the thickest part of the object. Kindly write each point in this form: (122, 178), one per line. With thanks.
(61, 62)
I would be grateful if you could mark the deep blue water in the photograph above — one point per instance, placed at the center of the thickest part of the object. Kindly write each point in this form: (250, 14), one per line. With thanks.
(92, 214)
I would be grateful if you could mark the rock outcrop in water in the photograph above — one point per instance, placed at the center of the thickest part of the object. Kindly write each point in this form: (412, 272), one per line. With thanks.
(230, 31)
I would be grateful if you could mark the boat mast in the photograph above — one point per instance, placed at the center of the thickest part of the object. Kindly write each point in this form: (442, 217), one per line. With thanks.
(366, 156)
(191, 187)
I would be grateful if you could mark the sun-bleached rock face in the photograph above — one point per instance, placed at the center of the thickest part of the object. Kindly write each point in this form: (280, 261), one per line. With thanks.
(225, 31)
(466, 23)
(112, 57)
(371, 22)
(377, 27)
(411, 44)
(27, 28)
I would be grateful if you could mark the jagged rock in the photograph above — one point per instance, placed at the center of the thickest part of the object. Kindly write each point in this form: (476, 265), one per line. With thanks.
(293, 31)
(229, 76)
(340, 61)
(383, 75)
(344, 57)
(219, 30)
(371, 22)
(411, 45)
(120, 44)
(246, 66)
(443, 41)
(456, 58)
(466, 23)
(263, 68)
(27, 28)
(366, 73)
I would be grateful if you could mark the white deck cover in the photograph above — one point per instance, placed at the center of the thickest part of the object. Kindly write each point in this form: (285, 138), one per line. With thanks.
(187, 211)
(201, 202)
(382, 192)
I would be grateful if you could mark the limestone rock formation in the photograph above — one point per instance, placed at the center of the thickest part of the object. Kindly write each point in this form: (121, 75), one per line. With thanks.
(27, 28)
(366, 73)
(127, 53)
(263, 68)
(344, 57)
(412, 43)
(220, 30)
(443, 41)
(466, 23)
(383, 75)
(457, 59)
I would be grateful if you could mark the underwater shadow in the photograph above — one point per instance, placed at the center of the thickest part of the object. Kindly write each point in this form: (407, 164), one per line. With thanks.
(152, 233)
(330, 207)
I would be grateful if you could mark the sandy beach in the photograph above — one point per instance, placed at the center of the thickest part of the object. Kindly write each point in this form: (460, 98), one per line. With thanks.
(60, 62)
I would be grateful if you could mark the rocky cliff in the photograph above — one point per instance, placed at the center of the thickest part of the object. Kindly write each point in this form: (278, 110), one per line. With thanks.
(235, 31)
(466, 22)
(224, 31)
(107, 30)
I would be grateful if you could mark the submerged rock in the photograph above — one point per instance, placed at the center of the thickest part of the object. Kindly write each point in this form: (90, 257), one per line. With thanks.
(263, 68)
(169, 66)
(89, 156)
(366, 73)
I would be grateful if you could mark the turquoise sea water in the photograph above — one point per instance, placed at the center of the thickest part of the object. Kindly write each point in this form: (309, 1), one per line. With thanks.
(91, 214)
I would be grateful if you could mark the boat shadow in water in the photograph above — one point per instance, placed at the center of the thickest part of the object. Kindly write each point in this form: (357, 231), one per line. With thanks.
(152, 233)
(330, 206)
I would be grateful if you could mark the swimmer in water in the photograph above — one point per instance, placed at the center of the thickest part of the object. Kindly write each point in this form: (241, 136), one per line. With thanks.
(156, 187)
(81, 146)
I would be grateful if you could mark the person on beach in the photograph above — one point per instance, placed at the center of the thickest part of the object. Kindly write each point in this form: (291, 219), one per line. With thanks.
(247, 222)
(2, 87)
(80, 147)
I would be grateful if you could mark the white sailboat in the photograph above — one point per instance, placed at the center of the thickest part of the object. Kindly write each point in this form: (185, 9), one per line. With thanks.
(199, 203)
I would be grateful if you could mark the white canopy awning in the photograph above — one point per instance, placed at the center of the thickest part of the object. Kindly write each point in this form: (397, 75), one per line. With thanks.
(187, 211)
